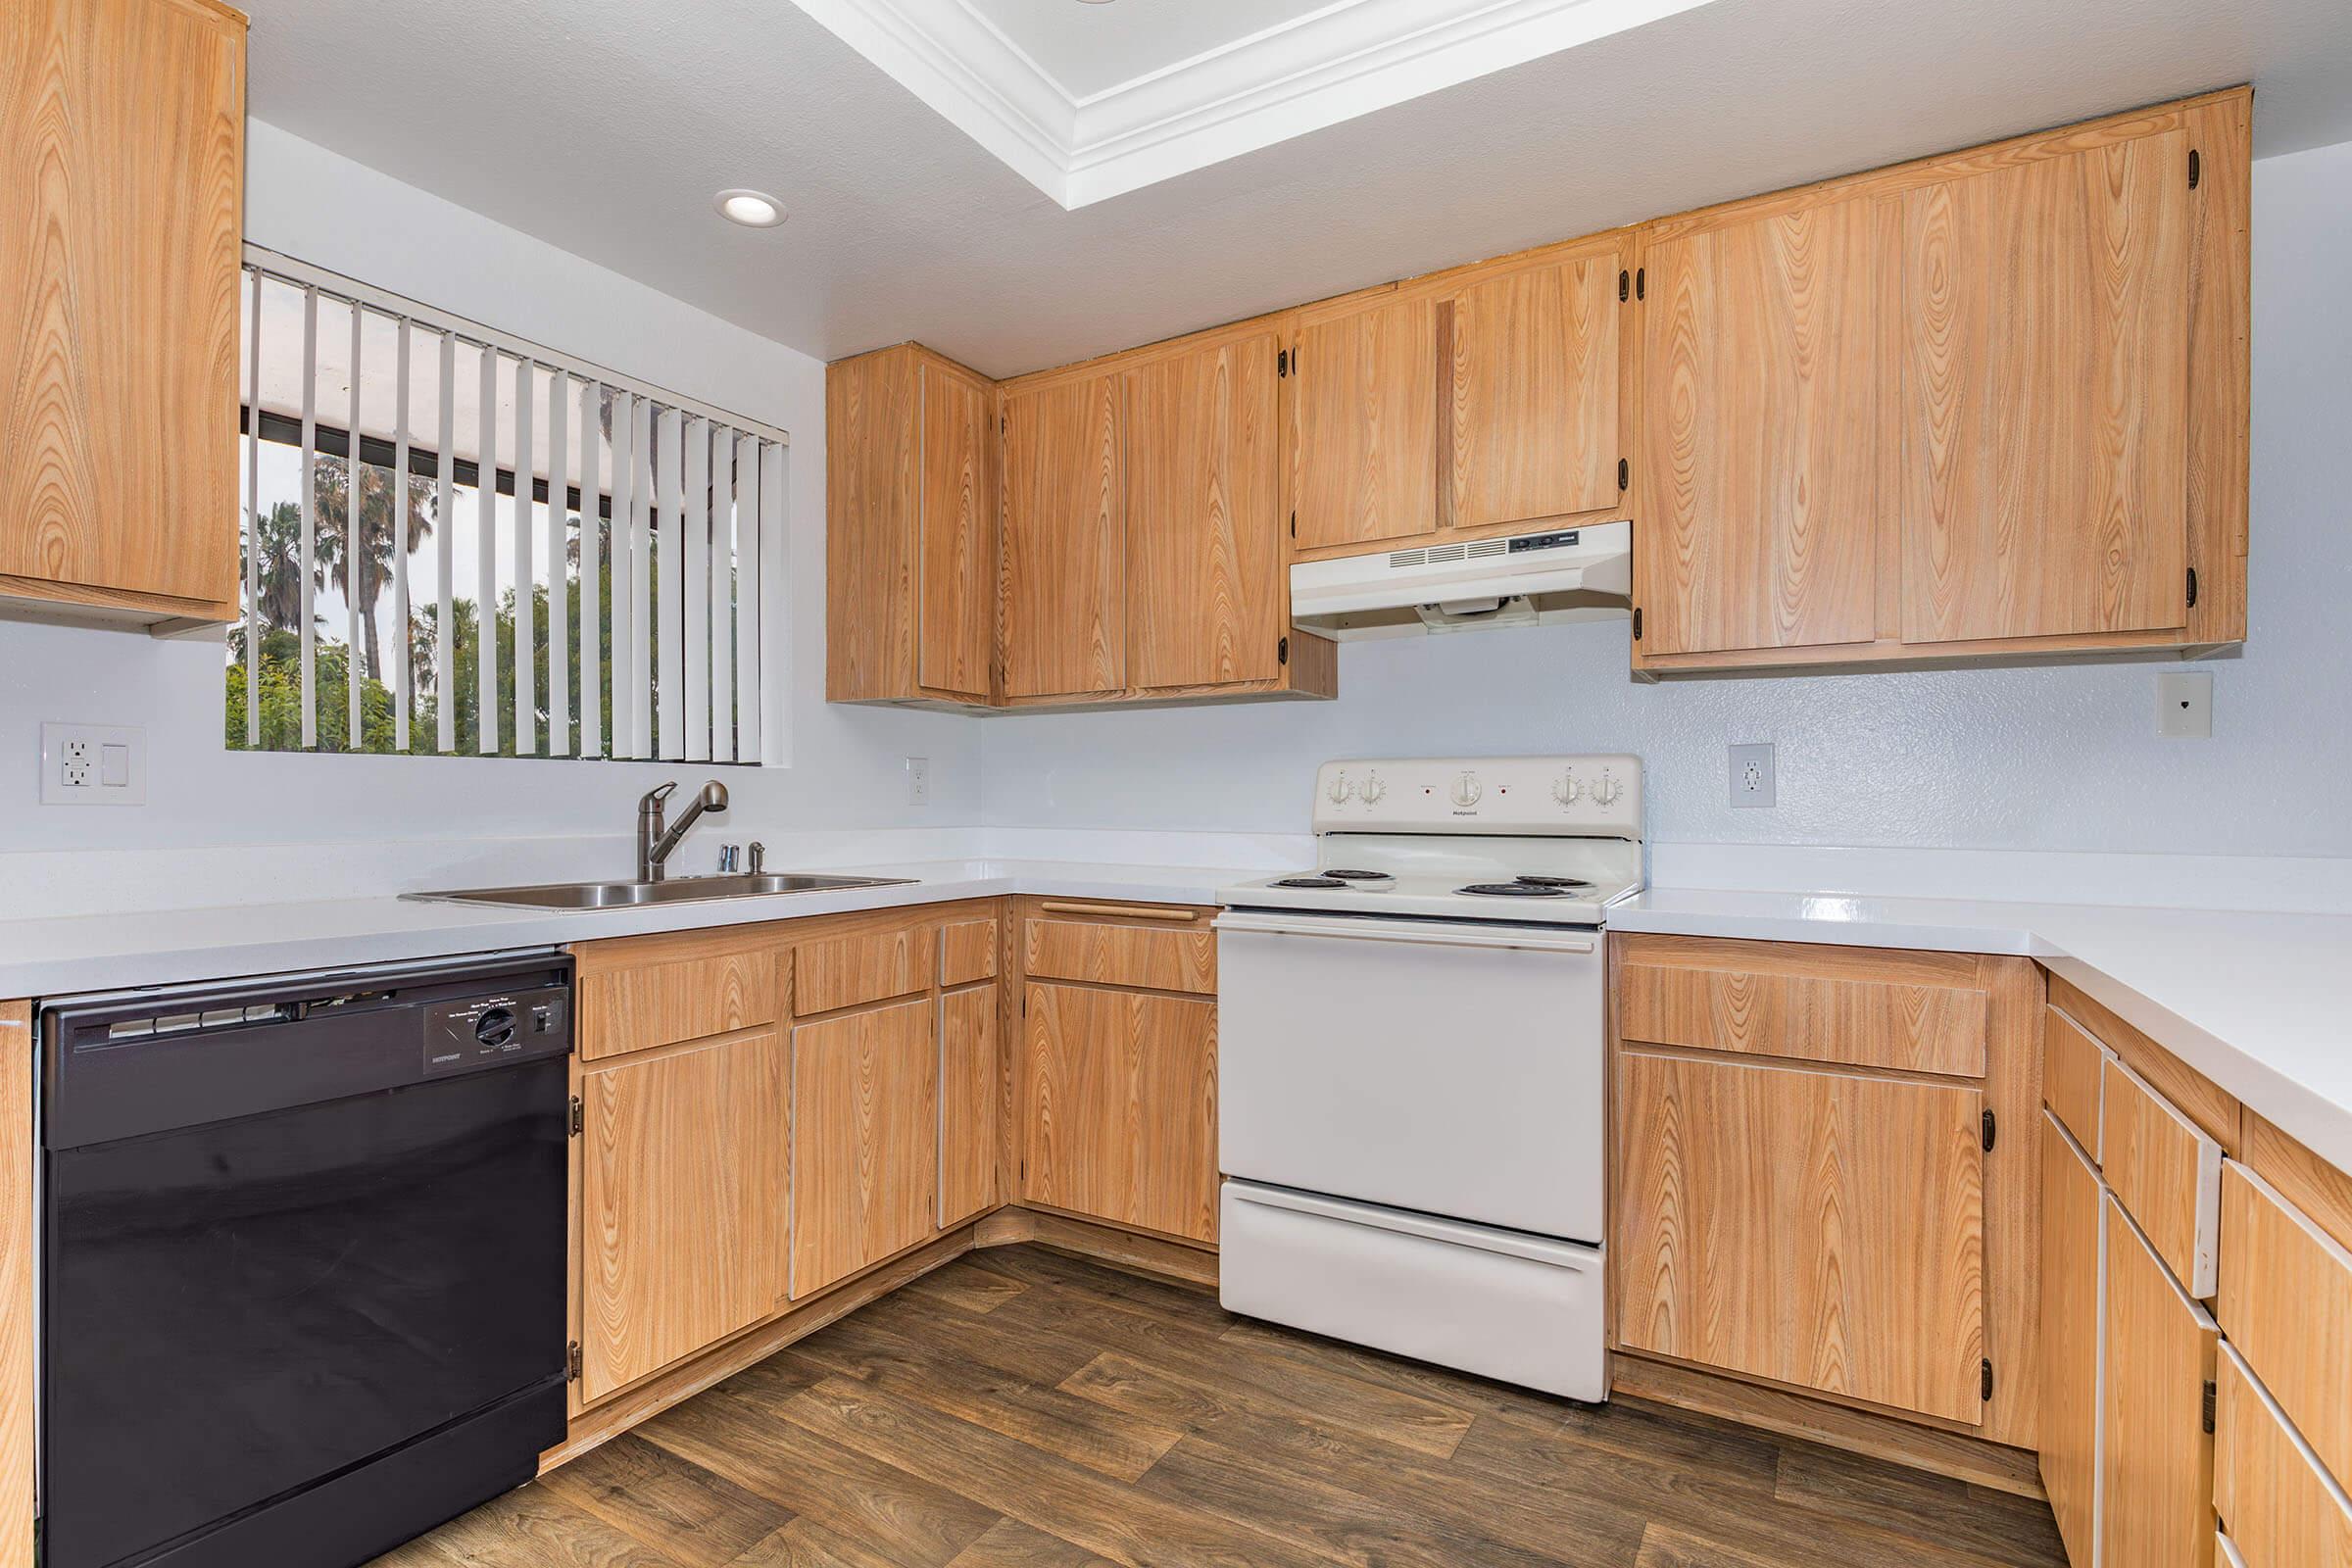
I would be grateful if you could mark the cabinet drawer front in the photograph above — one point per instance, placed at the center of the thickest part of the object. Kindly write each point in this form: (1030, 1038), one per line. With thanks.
(2286, 1303)
(862, 966)
(2071, 1070)
(1821, 1229)
(968, 952)
(1173, 957)
(644, 1005)
(2165, 1172)
(1812, 1017)
(2279, 1507)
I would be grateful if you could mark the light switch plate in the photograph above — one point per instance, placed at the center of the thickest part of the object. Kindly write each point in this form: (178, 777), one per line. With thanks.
(2185, 705)
(1753, 780)
(94, 765)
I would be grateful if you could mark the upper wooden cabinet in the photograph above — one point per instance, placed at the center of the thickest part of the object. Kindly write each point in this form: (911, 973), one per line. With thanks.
(1986, 405)
(122, 151)
(1064, 575)
(910, 530)
(1365, 446)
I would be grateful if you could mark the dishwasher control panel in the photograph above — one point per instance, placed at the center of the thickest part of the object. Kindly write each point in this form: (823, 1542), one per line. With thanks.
(462, 1034)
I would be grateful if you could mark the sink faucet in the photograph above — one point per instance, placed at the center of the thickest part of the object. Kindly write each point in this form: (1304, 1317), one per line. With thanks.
(653, 841)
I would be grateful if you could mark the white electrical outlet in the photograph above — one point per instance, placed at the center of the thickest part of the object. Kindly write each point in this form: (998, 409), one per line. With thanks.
(94, 765)
(2185, 705)
(1752, 775)
(919, 782)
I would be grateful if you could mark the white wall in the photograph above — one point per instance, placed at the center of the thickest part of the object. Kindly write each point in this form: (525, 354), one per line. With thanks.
(309, 202)
(2061, 757)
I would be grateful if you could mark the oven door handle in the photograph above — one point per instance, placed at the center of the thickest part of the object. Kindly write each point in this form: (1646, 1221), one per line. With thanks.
(1420, 935)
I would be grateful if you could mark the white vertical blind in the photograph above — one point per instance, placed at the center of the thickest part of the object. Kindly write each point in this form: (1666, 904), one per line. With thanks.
(592, 681)
(309, 516)
(694, 588)
(526, 696)
(669, 593)
(559, 534)
(485, 591)
(401, 694)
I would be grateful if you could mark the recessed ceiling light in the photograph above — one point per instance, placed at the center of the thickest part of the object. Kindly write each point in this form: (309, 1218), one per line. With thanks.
(750, 208)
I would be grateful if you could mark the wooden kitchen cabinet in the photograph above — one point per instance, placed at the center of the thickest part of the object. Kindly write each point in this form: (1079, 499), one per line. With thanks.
(2156, 1455)
(911, 543)
(1064, 571)
(684, 1204)
(2074, 1220)
(1991, 404)
(123, 145)
(1364, 421)
(865, 1139)
(970, 1095)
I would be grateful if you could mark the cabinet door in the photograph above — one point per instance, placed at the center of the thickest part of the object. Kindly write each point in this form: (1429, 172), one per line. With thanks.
(1817, 1228)
(1205, 584)
(871, 525)
(968, 1099)
(684, 1176)
(956, 635)
(1364, 399)
(2073, 1294)
(1066, 623)
(2156, 1458)
(2044, 404)
(121, 147)
(1120, 1107)
(1760, 424)
(866, 1140)
(1535, 393)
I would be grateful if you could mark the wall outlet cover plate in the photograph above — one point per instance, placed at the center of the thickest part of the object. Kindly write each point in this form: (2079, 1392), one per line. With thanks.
(94, 765)
(1753, 781)
(2185, 705)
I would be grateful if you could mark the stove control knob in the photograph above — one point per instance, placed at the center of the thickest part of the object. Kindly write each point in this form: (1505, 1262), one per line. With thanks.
(1466, 790)
(1371, 789)
(1567, 788)
(1606, 789)
(1339, 789)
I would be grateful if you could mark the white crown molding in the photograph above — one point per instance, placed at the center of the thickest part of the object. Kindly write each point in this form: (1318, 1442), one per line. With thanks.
(1350, 57)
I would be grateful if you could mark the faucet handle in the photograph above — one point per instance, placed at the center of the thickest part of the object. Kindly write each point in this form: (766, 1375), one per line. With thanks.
(654, 797)
(730, 858)
(758, 858)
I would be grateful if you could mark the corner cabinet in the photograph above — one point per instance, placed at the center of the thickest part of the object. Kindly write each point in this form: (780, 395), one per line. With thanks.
(1991, 405)
(911, 531)
(123, 146)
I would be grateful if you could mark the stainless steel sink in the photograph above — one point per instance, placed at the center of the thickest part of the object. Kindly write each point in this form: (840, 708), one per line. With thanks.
(672, 890)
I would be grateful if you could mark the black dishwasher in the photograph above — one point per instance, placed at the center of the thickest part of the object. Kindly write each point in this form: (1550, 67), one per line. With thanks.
(302, 1260)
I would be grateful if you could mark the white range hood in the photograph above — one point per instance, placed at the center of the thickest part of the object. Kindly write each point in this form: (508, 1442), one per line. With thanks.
(1518, 580)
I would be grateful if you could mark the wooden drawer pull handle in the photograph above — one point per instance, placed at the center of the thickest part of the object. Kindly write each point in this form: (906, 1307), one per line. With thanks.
(1055, 906)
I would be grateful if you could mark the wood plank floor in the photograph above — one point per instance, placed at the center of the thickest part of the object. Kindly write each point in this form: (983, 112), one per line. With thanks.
(1023, 1407)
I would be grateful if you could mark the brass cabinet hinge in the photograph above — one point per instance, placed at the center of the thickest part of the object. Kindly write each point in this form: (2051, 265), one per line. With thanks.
(1985, 1380)
(571, 1362)
(579, 1116)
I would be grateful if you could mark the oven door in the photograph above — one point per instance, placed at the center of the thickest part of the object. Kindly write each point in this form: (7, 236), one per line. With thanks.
(1451, 1068)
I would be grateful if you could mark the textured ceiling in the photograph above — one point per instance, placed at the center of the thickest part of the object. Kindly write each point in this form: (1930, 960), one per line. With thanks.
(604, 125)
(1087, 48)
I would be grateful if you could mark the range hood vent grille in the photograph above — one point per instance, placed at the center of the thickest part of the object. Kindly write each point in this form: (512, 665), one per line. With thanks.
(1578, 573)
(1435, 555)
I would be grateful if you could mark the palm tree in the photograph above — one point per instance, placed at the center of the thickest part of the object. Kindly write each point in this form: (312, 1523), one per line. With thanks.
(276, 553)
(381, 540)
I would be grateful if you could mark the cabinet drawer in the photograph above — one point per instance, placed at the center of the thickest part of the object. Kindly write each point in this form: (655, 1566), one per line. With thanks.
(968, 952)
(1925, 1017)
(2071, 1070)
(2286, 1303)
(2165, 1172)
(2277, 1503)
(862, 966)
(1173, 956)
(636, 1007)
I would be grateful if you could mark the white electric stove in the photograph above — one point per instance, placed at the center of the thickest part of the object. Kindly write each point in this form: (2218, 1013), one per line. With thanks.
(1411, 1064)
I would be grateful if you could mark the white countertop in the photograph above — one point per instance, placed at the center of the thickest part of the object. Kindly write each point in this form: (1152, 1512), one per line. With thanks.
(2256, 1001)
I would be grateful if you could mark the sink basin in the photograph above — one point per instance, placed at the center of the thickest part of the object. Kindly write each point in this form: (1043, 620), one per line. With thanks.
(674, 890)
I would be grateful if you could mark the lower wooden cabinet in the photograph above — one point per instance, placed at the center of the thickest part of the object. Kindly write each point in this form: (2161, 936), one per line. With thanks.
(970, 1090)
(2074, 1297)
(2156, 1461)
(684, 1204)
(1118, 1112)
(2276, 1497)
(865, 1139)
(1816, 1228)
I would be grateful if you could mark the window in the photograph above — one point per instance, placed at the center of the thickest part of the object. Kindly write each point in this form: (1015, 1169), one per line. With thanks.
(546, 558)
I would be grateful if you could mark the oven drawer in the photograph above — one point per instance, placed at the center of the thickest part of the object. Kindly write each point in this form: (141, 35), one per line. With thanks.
(1515, 1307)
(1453, 1068)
